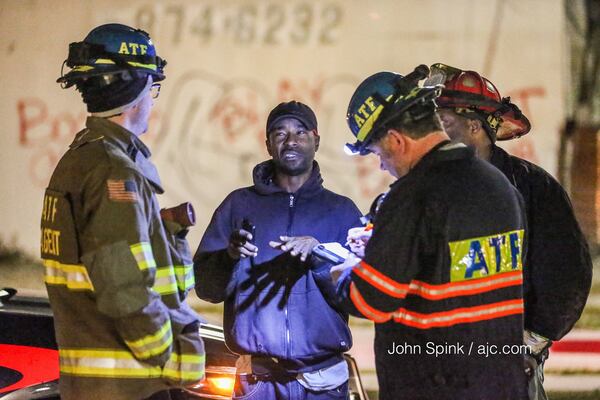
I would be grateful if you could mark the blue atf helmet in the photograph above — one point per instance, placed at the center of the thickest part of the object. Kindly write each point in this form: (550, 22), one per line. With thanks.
(112, 51)
(384, 97)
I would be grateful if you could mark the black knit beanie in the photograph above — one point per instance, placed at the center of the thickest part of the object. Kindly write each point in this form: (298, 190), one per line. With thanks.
(101, 98)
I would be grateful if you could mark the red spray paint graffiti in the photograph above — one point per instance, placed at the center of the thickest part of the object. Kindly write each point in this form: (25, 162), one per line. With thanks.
(37, 127)
(522, 96)
(238, 111)
(236, 115)
(48, 135)
(301, 90)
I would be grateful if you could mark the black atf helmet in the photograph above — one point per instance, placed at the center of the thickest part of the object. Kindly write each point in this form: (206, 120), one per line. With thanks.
(384, 97)
(112, 52)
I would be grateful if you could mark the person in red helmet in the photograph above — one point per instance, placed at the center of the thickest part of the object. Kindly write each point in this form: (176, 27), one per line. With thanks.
(557, 267)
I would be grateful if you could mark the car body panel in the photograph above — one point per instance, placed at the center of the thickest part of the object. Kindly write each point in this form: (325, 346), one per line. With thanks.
(31, 370)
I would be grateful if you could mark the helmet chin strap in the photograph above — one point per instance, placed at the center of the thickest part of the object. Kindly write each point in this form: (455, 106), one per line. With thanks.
(125, 107)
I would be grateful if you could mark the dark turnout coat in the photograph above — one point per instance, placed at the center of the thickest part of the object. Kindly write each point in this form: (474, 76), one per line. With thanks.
(442, 280)
(558, 266)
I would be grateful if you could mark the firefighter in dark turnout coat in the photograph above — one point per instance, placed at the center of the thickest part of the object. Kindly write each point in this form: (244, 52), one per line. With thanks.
(442, 275)
(116, 277)
(558, 266)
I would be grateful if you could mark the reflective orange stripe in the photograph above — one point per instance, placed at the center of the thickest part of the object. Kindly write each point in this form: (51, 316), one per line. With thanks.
(436, 292)
(365, 309)
(440, 319)
(465, 288)
(459, 315)
(380, 281)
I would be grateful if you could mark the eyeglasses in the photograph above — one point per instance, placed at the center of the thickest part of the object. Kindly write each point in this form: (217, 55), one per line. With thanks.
(155, 90)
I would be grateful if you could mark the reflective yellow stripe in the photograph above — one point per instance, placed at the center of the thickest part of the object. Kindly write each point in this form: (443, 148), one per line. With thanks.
(188, 358)
(140, 65)
(104, 61)
(95, 353)
(183, 375)
(127, 372)
(154, 344)
(164, 281)
(122, 364)
(185, 276)
(189, 367)
(73, 276)
(368, 125)
(366, 128)
(132, 63)
(143, 255)
(82, 68)
(105, 363)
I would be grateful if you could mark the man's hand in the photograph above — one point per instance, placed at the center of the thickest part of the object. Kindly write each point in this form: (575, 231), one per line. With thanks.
(297, 245)
(538, 350)
(536, 342)
(240, 246)
(357, 240)
(337, 270)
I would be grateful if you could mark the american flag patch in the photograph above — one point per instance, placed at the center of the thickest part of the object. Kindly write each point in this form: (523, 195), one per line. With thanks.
(121, 190)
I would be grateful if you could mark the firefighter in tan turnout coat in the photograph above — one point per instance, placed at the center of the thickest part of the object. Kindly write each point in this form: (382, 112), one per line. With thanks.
(117, 274)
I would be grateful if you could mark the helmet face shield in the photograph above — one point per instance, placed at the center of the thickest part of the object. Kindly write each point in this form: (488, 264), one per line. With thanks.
(440, 73)
(514, 124)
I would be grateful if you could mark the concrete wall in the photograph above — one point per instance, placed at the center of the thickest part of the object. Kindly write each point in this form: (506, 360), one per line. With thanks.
(231, 61)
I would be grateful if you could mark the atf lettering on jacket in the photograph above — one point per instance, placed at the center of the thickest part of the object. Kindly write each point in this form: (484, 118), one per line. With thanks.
(50, 237)
(58, 229)
(486, 256)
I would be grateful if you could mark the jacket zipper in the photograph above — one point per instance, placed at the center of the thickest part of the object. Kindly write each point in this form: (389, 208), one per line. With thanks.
(291, 215)
(287, 321)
